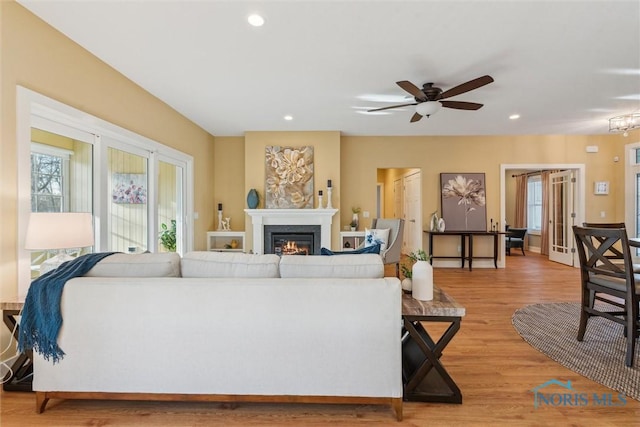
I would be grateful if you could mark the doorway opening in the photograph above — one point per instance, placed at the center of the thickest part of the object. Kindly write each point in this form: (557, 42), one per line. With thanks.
(399, 195)
(566, 195)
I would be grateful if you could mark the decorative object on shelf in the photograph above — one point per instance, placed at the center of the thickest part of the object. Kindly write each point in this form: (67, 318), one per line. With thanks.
(226, 224)
(220, 224)
(463, 201)
(441, 225)
(355, 221)
(253, 199)
(347, 244)
(329, 190)
(433, 224)
(320, 199)
(421, 275)
(289, 177)
(168, 236)
(234, 244)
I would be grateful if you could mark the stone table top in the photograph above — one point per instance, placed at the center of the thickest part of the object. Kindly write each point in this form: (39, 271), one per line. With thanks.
(11, 305)
(442, 305)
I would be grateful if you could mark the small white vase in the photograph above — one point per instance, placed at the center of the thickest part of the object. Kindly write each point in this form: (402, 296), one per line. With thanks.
(422, 281)
(406, 284)
(434, 222)
(441, 225)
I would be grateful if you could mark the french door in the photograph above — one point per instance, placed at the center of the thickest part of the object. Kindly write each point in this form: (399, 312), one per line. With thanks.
(561, 217)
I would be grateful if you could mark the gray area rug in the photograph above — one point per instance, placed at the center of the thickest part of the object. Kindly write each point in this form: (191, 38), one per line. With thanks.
(552, 329)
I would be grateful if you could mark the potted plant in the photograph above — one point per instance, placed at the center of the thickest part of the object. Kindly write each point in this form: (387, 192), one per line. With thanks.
(407, 269)
(353, 225)
(168, 236)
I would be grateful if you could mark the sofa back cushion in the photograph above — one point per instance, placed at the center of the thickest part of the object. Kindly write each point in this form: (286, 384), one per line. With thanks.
(228, 264)
(361, 266)
(162, 264)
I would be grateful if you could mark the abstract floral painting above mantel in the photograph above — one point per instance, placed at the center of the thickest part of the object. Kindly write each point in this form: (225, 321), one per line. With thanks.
(289, 177)
(463, 201)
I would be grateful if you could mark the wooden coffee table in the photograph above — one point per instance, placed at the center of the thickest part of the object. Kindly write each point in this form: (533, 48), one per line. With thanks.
(424, 378)
(19, 379)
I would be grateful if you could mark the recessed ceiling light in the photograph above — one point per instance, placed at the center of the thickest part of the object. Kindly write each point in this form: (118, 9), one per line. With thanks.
(288, 117)
(256, 20)
(514, 116)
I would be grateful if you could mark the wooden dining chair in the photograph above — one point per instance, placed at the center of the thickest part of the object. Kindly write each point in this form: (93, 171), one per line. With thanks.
(614, 253)
(603, 279)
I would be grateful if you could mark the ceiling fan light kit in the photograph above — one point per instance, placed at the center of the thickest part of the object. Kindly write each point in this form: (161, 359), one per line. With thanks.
(430, 99)
(428, 108)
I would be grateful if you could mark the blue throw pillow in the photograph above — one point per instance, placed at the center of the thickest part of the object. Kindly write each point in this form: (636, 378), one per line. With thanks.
(374, 249)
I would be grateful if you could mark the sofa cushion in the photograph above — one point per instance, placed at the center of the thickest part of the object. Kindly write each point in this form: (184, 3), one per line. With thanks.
(362, 266)
(228, 264)
(162, 264)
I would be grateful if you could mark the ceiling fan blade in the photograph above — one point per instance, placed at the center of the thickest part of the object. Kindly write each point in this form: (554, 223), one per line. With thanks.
(415, 117)
(461, 105)
(412, 89)
(392, 106)
(466, 87)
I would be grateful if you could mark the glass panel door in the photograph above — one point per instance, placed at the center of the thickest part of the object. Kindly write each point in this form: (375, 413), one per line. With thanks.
(127, 210)
(61, 179)
(170, 207)
(561, 215)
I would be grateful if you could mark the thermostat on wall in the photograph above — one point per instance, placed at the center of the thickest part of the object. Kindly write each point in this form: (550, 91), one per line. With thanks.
(601, 187)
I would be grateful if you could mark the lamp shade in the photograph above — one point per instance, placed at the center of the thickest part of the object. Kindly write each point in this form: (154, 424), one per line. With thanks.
(428, 108)
(59, 230)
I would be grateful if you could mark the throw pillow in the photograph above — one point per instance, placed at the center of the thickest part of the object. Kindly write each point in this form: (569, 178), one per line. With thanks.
(376, 236)
(374, 249)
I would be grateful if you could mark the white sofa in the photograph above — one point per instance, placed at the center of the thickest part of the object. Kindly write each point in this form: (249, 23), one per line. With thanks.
(229, 327)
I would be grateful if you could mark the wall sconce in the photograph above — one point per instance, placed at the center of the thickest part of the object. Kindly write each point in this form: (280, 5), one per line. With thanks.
(624, 123)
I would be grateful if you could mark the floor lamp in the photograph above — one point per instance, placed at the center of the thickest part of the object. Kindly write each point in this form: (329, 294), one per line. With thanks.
(58, 231)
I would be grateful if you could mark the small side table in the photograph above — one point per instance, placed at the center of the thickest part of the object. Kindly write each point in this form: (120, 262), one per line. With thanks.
(424, 378)
(21, 375)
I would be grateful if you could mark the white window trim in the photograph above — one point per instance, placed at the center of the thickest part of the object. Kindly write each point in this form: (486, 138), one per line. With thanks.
(38, 111)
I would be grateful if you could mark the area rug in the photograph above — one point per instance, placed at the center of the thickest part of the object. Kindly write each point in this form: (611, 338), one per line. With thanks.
(552, 329)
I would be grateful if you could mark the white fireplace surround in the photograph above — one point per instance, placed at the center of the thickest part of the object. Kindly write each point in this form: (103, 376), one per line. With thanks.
(262, 217)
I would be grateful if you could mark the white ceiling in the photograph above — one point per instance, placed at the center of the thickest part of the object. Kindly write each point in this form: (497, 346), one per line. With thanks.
(565, 66)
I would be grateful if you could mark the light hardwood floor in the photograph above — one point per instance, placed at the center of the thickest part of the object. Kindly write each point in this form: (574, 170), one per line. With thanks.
(493, 366)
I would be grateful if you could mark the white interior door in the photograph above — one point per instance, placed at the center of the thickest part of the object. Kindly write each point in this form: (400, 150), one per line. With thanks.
(413, 212)
(561, 217)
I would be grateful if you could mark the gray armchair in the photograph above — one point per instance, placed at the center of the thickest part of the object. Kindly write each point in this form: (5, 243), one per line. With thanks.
(393, 251)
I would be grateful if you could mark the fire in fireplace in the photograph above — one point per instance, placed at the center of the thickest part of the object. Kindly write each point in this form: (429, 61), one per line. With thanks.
(292, 239)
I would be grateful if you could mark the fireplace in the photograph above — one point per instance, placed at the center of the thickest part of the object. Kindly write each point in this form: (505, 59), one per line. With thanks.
(261, 218)
(292, 239)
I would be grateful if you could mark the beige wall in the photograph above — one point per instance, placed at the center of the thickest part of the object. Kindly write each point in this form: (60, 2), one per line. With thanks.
(36, 56)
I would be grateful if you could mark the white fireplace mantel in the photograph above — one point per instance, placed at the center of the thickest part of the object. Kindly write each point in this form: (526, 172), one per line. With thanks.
(262, 217)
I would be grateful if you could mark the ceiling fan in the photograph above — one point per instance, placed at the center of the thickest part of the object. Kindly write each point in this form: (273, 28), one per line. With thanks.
(429, 99)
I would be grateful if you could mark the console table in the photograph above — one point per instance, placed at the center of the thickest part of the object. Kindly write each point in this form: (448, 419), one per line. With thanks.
(424, 378)
(19, 379)
(466, 245)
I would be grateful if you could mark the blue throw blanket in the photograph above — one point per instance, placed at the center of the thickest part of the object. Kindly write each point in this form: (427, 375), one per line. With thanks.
(41, 318)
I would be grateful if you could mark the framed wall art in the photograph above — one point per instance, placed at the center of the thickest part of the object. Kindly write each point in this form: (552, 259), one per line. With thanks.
(463, 201)
(129, 188)
(289, 177)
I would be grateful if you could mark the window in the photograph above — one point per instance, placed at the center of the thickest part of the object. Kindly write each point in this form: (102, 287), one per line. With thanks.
(534, 203)
(49, 175)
